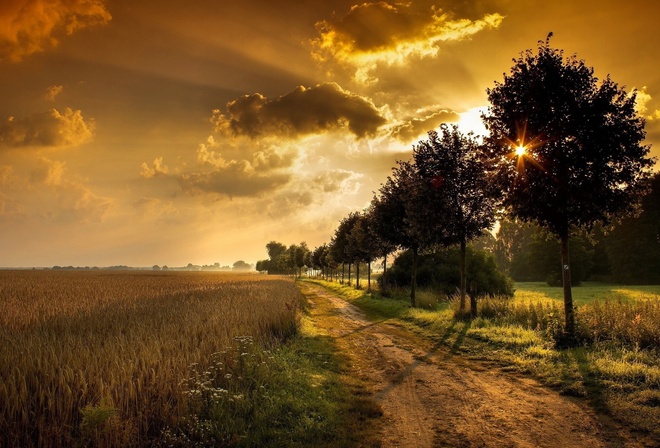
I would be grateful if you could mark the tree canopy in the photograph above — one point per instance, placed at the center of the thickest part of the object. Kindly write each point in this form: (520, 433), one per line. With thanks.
(565, 148)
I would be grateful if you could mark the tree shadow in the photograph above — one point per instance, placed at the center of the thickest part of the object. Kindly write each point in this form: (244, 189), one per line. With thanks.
(442, 342)
(596, 393)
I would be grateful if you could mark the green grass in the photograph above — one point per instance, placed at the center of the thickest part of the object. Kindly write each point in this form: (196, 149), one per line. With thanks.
(617, 371)
(296, 394)
(586, 293)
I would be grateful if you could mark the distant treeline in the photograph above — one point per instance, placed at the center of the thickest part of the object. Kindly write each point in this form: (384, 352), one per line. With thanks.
(240, 265)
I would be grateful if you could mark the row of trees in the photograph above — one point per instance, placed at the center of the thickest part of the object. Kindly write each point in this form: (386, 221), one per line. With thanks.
(564, 151)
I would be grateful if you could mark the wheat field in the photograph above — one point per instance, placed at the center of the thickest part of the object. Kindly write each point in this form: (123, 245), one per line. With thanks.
(88, 348)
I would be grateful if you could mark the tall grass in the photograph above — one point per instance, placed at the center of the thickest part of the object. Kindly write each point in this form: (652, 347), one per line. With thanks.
(98, 357)
(633, 324)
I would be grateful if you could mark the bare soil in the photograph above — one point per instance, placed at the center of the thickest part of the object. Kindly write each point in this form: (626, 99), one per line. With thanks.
(432, 397)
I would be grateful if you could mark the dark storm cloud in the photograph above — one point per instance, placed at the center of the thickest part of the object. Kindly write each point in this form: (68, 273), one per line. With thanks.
(375, 26)
(303, 111)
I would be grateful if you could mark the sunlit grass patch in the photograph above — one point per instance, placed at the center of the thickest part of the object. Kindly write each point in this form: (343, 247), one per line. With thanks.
(586, 293)
(626, 369)
(513, 337)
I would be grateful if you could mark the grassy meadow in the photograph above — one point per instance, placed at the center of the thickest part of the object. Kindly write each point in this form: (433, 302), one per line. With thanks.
(104, 358)
(616, 366)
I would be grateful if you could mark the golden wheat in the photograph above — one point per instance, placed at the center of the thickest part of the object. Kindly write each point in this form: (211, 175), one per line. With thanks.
(119, 342)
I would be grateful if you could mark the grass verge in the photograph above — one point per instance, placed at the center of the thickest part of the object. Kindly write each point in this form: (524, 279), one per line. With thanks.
(617, 377)
(296, 394)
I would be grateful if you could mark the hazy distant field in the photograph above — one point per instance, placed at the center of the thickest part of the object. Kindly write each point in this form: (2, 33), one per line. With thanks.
(76, 345)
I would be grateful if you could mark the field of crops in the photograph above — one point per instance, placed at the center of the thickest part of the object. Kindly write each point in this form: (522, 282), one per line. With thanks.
(81, 347)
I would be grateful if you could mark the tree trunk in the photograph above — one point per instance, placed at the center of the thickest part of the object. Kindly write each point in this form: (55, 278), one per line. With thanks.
(343, 266)
(369, 276)
(463, 279)
(568, 293)
(413, 286)
(357, 275)
(349, 274)
(384, 281)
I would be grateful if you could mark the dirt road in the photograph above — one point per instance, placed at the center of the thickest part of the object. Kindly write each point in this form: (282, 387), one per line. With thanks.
(433, 398)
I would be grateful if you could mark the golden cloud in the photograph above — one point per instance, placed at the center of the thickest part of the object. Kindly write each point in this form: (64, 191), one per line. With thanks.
(157, 168)
(642, 105)
(373, 33)
(32, 26)
(304, 111)
(52, 92)
(417, 126)
(50, 129)
(237, 179)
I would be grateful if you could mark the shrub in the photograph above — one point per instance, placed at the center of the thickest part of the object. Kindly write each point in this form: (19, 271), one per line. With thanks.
(440, 271)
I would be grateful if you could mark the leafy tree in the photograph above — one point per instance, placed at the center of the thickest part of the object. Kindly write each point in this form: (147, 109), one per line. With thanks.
(567, 149)
(439, 270)
(460, 200)
(341, 245)
(398, 199)
(278, 259)
(275, 249)
(364, 245)
(241, 265)
(381, 227)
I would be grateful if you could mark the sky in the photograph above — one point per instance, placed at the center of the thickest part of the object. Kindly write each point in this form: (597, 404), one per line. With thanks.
(151, 132)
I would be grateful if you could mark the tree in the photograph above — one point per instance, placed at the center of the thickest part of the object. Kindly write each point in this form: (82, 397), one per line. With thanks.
(380, 226)
(240, 265)
(275, 249)
(340, 247)
(460, 199)
(566, 148)
(398, 199)
(278, 259)
(363, 245)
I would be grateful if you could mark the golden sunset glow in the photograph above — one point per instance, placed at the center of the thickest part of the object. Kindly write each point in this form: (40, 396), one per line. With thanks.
(141, 133)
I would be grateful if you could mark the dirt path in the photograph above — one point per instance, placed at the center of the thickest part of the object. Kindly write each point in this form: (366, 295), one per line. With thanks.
(432, 398)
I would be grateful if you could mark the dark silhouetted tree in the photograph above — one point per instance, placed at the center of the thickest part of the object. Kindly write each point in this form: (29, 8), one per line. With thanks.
(398, 199)
(340, 247)
(460, 202)
(381, 226)
(580, 159)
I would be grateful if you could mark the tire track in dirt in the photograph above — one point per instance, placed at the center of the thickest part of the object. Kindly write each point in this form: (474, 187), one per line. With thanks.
(433, 398)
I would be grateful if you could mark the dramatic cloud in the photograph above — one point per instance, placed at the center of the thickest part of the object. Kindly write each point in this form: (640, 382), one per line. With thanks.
(265, 171)
(418, 126)
(51, 129)
(373, 33)
(32, 26)
(303, 111)
(319, 194)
